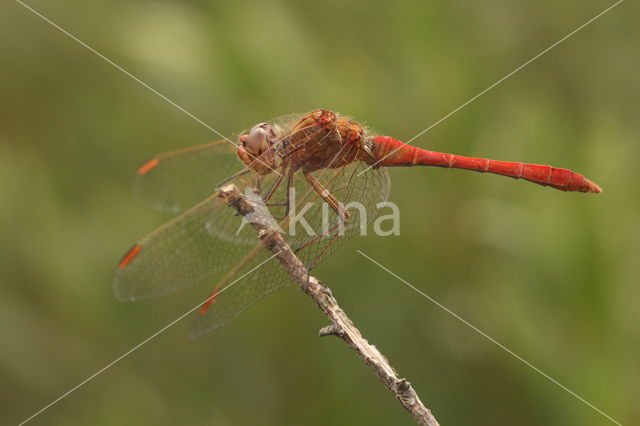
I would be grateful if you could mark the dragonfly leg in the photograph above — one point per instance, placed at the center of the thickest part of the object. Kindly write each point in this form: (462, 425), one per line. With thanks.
(262, 200)
(233, 176)
(286, 203)
(290, 186)
(328, 197)
(275, 184)
(338, 208)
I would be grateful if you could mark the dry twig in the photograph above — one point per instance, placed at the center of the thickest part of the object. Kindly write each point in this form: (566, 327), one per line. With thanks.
(341, 326)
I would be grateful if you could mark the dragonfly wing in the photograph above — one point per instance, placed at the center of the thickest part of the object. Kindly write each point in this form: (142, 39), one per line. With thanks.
(207, 243)
(176, 180)
(242, 289)
(191, 248)
(359, 189)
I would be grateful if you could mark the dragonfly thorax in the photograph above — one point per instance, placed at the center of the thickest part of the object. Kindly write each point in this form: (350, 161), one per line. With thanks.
(320, 139)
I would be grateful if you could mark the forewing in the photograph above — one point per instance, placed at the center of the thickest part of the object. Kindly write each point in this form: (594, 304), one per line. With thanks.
(191, 248)
(176, 180)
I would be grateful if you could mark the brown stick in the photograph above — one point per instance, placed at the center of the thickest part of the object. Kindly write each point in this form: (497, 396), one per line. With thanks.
(341, 325)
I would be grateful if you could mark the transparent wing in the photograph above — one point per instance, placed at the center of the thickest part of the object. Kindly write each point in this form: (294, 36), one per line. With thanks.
(176, 180)
(210, 244)
(191, 248)
(241, 289)
(360, 193)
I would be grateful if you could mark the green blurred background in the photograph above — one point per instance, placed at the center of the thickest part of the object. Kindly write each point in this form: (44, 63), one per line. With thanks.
(553, 276)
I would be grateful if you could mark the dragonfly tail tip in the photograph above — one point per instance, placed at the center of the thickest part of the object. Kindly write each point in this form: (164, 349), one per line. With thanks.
(593, 187)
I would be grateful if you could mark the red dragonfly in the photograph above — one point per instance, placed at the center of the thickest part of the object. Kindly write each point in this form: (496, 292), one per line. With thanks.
(323, 160)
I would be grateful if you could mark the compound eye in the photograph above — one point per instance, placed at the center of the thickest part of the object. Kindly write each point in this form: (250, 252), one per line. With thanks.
(256, 141)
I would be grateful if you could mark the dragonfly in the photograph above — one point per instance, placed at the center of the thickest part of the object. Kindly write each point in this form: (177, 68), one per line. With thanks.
(321, 169)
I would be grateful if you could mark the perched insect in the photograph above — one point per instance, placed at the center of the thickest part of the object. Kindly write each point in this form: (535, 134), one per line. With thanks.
(319, 160)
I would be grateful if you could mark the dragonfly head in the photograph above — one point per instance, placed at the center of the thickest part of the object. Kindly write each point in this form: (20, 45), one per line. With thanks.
(255, 142)
(256, 147)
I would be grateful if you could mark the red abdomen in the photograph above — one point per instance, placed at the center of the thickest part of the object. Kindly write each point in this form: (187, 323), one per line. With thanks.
(390, 152)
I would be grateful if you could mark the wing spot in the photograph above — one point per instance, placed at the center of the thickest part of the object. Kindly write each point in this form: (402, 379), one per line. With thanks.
(129, 256)
(148, 166)
(210, 301)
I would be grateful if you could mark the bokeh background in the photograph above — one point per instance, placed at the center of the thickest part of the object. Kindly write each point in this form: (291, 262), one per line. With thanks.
(553, 276)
